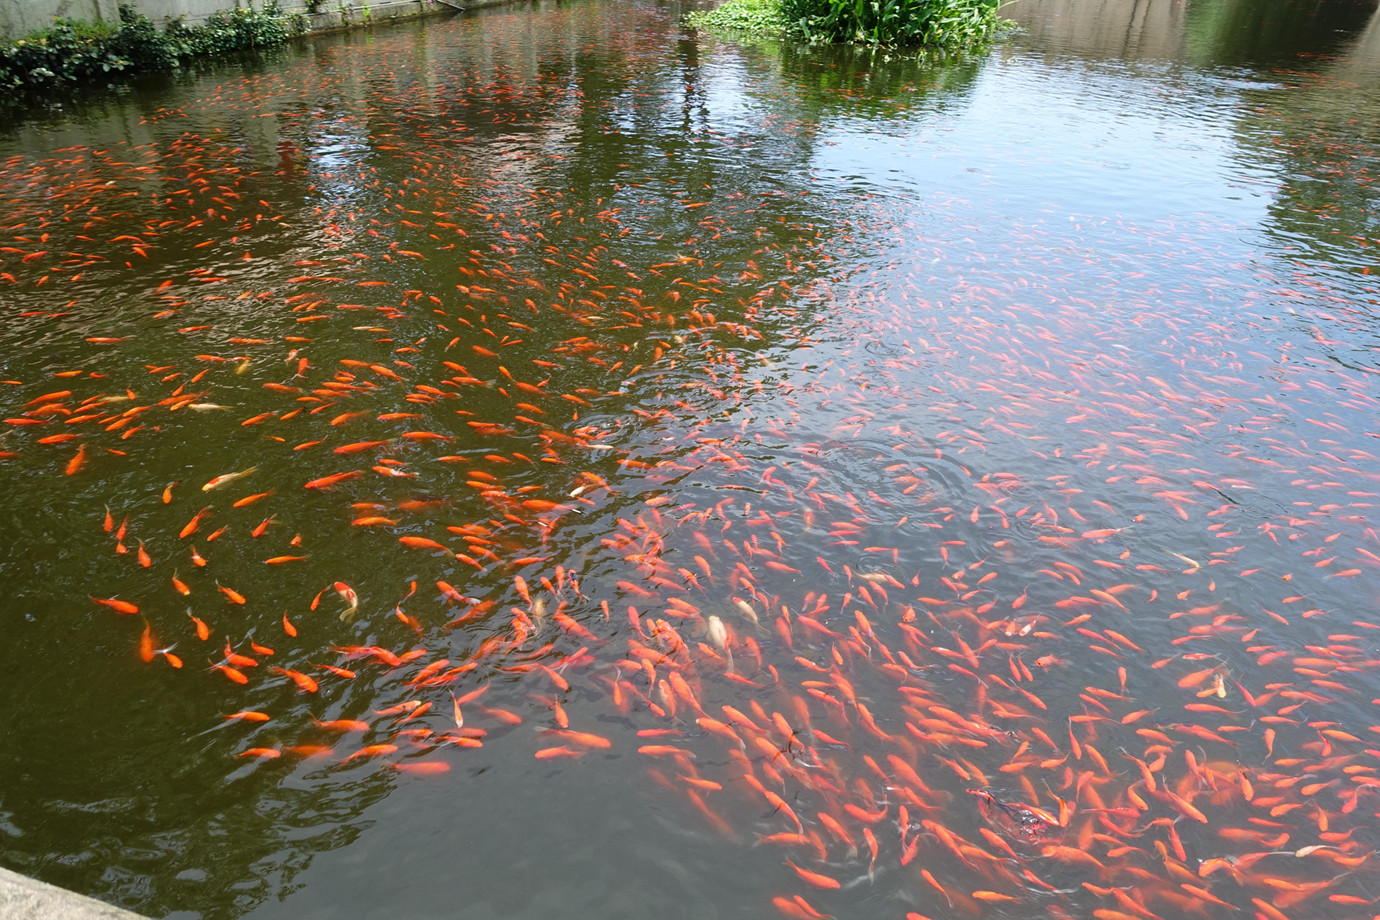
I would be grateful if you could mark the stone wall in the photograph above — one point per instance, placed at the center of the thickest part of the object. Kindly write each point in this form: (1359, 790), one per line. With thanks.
(25, 899)
(344, 14)
(20, 17)
(330, 13)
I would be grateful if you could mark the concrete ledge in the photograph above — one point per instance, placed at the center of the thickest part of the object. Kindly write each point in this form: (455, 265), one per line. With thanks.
(349, 15)
(22, 898)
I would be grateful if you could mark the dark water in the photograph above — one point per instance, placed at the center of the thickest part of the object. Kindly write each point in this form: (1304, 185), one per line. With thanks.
(1009, 419)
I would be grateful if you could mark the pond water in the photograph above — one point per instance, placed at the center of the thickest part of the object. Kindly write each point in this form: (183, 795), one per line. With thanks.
(550, 462)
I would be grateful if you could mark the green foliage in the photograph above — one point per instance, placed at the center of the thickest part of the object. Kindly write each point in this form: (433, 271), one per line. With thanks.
(743, 17)
(141, 44)
(73, 51)
(946, 23)
(235, 30)
(941, 23)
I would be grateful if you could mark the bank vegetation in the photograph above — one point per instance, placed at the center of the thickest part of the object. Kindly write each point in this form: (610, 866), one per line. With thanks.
(75, 51)
(889, 23)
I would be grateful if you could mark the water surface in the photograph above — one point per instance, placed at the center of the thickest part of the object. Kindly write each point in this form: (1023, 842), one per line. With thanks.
(1000, 421)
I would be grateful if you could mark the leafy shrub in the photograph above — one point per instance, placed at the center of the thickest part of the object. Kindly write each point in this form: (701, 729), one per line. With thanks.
(141, 44)
(946, 23)
(73, 51)
(893, 22)
(235, 30)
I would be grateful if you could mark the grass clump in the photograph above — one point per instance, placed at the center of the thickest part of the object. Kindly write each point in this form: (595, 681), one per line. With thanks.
(944, 23)
(890, 23)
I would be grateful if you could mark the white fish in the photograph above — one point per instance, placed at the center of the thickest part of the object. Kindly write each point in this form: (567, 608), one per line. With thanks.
(717, 633)
(748, 613)
(226, 479)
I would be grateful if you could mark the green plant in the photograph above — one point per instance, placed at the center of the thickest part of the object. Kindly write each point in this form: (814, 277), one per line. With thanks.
(946, 23)
(949, 23)
(234, 30)
(140, 42)
(68, 52)
(73, 51)
(743, 17)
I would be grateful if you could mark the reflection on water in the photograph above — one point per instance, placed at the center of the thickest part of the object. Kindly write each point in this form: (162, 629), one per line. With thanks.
(736, 455)
(1206, 33)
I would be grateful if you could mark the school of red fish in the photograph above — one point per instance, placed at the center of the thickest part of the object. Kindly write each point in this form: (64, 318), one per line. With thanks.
(991, 598)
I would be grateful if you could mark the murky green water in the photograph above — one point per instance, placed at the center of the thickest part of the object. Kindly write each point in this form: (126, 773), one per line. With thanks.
(1004, 422)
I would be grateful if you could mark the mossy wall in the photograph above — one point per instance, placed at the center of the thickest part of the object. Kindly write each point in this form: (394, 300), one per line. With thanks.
(22, 17)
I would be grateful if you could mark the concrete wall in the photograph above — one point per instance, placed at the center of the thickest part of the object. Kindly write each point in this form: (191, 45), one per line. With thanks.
(331, 13)
(25, 899)
(1132, 29)
(20, 17)
(345, 14)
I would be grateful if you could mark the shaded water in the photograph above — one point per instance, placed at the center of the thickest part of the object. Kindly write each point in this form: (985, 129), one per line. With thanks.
(1014, 416)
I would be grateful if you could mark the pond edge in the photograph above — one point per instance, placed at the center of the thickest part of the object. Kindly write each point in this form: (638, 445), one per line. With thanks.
(23, 898)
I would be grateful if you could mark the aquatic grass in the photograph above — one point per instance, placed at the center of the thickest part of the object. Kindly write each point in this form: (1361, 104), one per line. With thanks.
(758, 18)
(890, 23)
(942, 23)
